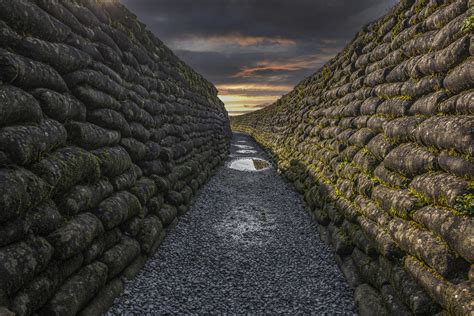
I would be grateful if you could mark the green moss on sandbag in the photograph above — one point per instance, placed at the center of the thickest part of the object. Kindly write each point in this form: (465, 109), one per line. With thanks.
(20, 262)
(91, 136)
(21, 189)
(17, 106)
(60, 106)
(120, 256)
(25, 144)
(66, 167)
(75, 235)
(113, 160)
(27, 73)
(37, 292)
(77, 291)
(83, 197)
(118, 208)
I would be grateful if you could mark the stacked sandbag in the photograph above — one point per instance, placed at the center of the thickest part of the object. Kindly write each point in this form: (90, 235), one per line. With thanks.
(105, 137)
(380, 142)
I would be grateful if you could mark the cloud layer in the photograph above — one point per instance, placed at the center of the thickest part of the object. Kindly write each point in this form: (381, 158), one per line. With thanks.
(256, 50)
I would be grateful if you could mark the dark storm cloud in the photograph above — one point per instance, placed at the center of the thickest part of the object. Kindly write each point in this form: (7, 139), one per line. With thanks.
(273, 44)
(292, 19)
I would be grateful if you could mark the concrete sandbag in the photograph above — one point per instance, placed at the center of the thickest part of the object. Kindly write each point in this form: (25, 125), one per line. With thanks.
(410, 160)
(456, 165)
(117, 209)
(144, 189)
(462, 103)
(443, 292)
(44, 218)
(66, 167)
(369, 268)
(369, 301)
(77, 291)
(104, 299)
(443, 60)
(410, 292)
(457, 231)
(444, 189)
(110, 119)
(17, 106)
(8, 37)
(60, 106)
(97, 80)
(392, 303)
(63, 58)
(75, 236)
(447, 132)
(21, 189)
(84, 197)
(21, 261)
(113, 160)
(37, 292)
(13, 230)
(460, 78)
(136, 149)
(380, 238)
(398, 202)
(120, 256)
(27, 73)
(380, 146)
(95, 99)
(149, 233)
(127, 179)
(28, 18)
(91, 136)
(25, 144)
(422, 244)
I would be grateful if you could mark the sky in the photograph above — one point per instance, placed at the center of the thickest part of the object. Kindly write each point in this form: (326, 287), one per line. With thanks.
(254, 51)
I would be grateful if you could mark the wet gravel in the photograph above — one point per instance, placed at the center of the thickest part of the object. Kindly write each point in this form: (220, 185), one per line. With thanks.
(245, 246)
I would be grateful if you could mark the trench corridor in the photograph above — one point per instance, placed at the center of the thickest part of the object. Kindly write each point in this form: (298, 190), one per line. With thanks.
(245, 246)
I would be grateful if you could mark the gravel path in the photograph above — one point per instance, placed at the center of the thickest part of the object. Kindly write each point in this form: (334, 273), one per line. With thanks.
(246, 246)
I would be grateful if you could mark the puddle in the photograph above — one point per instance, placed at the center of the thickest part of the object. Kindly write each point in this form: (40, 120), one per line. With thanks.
(249, 164)
(243, 146)
(246, 151)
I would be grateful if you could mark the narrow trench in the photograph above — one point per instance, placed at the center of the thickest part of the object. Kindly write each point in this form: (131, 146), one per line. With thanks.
(245, 246)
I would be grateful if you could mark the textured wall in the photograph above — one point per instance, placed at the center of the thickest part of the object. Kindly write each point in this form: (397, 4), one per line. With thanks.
(380, 141)
(105, 136)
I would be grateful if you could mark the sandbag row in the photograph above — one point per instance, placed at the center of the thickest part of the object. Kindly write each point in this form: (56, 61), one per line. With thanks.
(105, 138)
(380, 143)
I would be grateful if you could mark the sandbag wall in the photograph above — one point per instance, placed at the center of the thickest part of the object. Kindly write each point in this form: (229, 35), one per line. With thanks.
(380, 142)
(105, 137)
